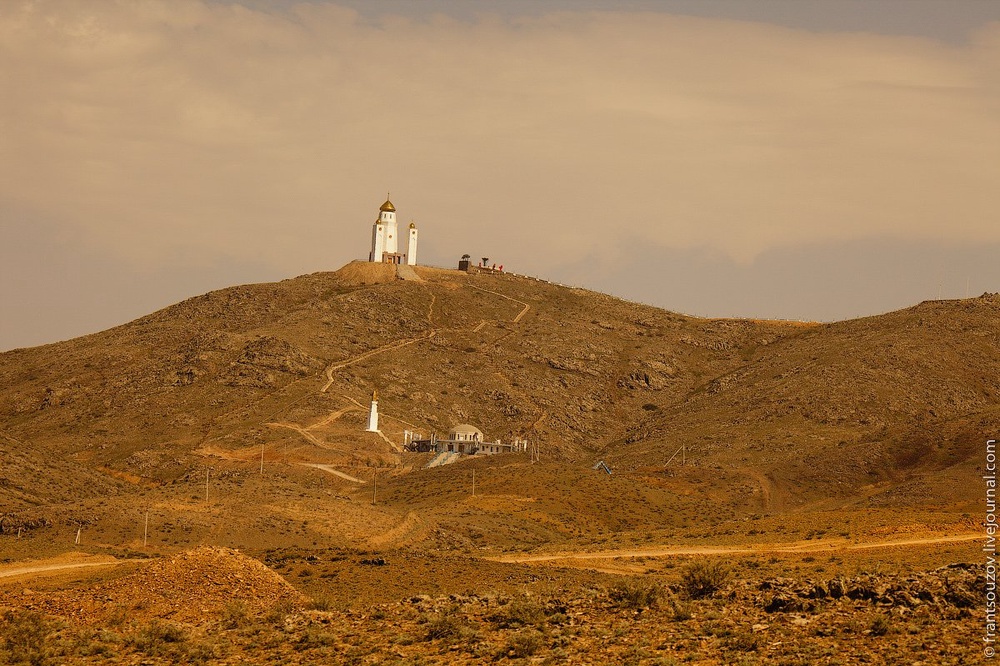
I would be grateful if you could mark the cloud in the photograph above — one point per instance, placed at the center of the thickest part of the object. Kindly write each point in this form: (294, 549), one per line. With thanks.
(153, 130)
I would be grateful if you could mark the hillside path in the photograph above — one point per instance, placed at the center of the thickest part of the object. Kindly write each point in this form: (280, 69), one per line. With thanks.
(810, 546)
(496, 293)
(332, 470)
(398, 344)
(311, 438)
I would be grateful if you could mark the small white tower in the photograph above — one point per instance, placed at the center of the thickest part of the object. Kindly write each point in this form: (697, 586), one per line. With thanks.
(385, 239)
(411, 246)
(373, 413)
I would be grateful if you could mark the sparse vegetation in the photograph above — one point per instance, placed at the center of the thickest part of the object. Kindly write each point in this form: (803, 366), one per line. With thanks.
(24, 637)
(524, 643)
(704, 578)
(635, 595)
(880, 626)
(519, 612)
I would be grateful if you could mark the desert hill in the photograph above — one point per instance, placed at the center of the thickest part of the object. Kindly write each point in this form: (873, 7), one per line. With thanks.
(773, 416)
(903, 400)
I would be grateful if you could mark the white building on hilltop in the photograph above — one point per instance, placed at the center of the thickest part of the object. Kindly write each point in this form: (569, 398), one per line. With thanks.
(386, 242)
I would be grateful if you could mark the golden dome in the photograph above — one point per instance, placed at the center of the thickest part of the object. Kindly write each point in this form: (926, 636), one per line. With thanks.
(387, 207)
(413, 225)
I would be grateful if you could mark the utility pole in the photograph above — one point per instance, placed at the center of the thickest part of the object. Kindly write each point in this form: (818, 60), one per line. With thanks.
(375, 488)
(145, 530)
(78, 530)
(262, 459)
(207, 472)
(473, 483)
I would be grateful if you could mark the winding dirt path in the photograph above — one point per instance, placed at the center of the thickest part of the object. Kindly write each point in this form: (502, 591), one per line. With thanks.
(392, 346)
(496, 293)
(334, 416)
(812, 546)
(311, 438)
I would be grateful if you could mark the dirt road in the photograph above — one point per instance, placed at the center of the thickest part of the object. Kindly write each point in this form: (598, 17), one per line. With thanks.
(56, 564)
(811, 546)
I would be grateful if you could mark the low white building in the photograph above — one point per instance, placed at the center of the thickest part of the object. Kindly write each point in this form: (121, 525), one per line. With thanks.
(463, 438)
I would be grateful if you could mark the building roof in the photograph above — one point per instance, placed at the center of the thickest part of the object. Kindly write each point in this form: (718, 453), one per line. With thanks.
(465, 429)
(387, 207)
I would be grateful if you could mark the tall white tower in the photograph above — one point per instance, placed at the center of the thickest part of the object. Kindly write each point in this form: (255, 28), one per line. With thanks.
(411, 246)
(373, 413)
(385, 237)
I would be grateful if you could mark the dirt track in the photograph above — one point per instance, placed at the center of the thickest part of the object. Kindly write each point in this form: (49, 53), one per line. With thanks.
(815, 545)
(46, 566)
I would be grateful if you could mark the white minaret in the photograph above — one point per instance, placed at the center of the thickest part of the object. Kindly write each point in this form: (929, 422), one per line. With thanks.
(411, 246)
(385, 239)
(373, 413)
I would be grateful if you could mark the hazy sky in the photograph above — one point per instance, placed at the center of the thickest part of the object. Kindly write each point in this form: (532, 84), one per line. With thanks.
(793, 159)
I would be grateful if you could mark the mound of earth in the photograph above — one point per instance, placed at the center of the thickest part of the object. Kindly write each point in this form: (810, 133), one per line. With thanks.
(359, 273)
(192, 587)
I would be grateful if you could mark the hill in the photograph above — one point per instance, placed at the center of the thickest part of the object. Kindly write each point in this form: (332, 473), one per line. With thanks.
(255, 386)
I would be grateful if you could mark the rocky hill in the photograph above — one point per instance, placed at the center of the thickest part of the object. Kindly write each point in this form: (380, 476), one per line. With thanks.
(887, 410)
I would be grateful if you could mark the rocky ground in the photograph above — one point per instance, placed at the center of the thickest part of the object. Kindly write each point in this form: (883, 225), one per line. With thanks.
(216, 605)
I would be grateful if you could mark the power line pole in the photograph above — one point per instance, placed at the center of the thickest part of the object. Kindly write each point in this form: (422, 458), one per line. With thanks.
(145, 530)
(207, 472)
(473, 483)
(262, 459)
(375, 488)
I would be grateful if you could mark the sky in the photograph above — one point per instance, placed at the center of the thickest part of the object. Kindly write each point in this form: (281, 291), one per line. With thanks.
(789, 159)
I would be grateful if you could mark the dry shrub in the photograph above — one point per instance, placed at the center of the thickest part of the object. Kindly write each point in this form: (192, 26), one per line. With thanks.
(446, 627)
(703, 579)
(524, 644)
(635, 596)
(520, 612)
(880, 626)
(24, 635)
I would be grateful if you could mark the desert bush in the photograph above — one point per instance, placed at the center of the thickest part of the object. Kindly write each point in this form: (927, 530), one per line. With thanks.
(234, 615)
(635, 596)
(278, 613)
(524, 644)
(558, 618)
(880, 626)
(703, 579)
(92, 643)
(743, 641)
(520, 612)
(24, 635)
(319, 604)
(158, 639)
(441, 626)
(314, 637)
(682, 611)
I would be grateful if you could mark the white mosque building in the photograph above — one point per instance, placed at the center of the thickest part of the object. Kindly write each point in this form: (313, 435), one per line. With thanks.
(386, 242)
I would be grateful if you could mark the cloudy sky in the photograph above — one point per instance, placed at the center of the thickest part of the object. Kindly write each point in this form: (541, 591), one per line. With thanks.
(784, 158)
